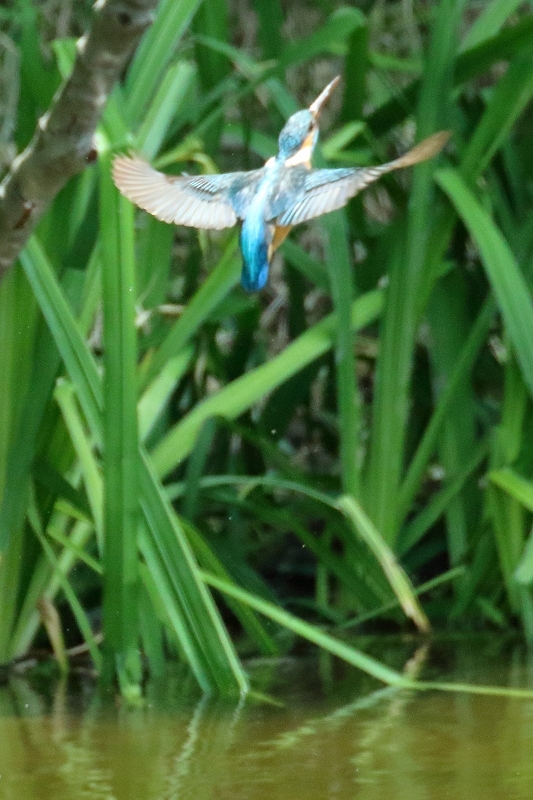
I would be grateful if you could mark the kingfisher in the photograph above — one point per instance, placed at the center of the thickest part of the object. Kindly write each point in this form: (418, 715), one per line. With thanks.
(269, 201)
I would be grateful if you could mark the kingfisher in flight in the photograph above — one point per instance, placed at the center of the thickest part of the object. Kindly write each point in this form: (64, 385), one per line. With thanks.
(268, 201)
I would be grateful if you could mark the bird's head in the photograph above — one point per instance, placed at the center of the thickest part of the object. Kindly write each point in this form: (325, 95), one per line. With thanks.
(300, 133)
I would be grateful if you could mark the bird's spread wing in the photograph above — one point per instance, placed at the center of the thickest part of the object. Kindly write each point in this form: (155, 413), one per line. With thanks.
(324, 190)
(201, 201)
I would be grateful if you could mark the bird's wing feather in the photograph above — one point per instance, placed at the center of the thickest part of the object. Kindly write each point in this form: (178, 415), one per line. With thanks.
(201, 201)
(324, 190)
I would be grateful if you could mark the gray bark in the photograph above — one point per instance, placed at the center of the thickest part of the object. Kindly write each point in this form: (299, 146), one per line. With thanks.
(63, 141)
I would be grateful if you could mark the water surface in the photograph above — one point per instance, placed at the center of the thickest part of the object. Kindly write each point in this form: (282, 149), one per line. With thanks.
(333, 734)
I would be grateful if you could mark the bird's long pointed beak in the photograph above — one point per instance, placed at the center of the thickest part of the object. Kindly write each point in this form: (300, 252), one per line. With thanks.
(316, 106)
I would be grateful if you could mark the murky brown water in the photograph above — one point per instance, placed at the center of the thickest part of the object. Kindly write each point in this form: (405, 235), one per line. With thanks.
(336, 735)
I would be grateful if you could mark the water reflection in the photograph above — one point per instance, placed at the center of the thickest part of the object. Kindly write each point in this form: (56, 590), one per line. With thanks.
(353, 741)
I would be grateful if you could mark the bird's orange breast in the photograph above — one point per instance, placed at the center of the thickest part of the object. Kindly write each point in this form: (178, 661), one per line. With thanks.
(303, 156)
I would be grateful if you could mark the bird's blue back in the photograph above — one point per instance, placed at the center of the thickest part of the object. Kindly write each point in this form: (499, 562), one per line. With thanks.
(256, 234)
(254, 247)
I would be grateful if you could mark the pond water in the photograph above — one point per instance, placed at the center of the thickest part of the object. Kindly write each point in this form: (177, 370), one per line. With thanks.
(331, 733)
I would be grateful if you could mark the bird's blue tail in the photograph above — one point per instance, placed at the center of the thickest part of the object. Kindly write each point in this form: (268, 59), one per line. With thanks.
(254, 240)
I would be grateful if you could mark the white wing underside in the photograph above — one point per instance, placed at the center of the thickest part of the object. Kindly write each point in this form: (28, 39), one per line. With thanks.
(192, 201)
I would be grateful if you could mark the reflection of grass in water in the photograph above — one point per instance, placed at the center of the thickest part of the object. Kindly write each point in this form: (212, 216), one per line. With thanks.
(386, 736)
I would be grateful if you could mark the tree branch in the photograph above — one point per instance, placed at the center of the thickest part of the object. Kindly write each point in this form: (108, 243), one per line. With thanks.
(63, 141)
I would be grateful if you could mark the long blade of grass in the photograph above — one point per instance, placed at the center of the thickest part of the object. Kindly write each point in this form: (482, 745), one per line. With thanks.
(348, 653)
(310, 632)
(211, 22)
(507, 101)
(508, 283)
(64, 395)
(489, 22)
(509, 98)
(396, 576)
(270, 17)
(15, 344)
(158, 392)
(520, 490)
(153, 54)
(201, 632)
(400, 319)
(449, 319)
(505, 512)
(67, 337)
(420, 524)
(445, 577)
(428, 443)
(248, 619)
(166, 104)
(34, 396)
(514, 484)
(349, 402)
(121, 495)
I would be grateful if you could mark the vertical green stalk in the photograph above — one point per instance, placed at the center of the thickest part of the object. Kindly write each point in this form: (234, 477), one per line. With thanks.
(340, 276)
(449, 319)
(211, 20)
(355, 73)
(30, 374)
(153, 54)
(506, 511)
(391, 405)
(271, 18)
(121, 491)
(16, 334)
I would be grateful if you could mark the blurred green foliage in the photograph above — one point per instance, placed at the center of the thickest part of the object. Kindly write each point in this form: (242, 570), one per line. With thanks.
(364, 419)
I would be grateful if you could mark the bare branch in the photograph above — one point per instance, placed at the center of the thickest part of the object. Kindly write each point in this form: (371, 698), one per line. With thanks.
(63, 142)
